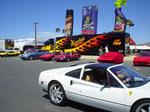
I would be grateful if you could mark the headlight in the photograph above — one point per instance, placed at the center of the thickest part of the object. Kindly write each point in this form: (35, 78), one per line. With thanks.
(25, 55)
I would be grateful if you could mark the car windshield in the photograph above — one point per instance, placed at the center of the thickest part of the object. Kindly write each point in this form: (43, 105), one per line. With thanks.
(9, 48)
(31, 50)
(16, 48)
(145, 53)
(129, 77)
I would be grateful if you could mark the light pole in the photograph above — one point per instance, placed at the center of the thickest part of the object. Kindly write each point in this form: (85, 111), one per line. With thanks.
(35, 29)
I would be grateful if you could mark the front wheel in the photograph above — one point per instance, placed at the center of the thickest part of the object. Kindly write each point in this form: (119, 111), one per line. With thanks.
(141, 106)
(57, 94)
(68, 59)
(53, 59)
(31, 58)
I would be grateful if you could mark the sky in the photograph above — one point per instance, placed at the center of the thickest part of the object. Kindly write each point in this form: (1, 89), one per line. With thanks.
(17, 17)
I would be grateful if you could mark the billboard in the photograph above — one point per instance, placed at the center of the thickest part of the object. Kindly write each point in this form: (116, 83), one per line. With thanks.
(69, 23)
(120, 21)
(89, 19)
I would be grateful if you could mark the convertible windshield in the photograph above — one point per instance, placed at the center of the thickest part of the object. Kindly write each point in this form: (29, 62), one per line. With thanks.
(129, 77)
(145, 53)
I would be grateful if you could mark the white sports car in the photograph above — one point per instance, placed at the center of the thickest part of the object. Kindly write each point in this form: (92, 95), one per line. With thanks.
(107, 86)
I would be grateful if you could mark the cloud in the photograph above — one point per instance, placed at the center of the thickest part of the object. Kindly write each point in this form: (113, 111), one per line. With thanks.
(43, 34)
(40, 34)
(46, 34)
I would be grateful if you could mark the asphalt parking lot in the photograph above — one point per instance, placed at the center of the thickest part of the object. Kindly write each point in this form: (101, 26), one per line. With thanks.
(20, 92)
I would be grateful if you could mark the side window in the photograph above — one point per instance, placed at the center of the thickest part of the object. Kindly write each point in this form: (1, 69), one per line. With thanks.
(96, 76)
(74, 73)
(88, 76)
(16, 48)
(113, 82)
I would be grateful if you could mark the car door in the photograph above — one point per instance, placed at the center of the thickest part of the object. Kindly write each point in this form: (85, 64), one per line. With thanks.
(97, 95)
(75, 56)
(39, 53)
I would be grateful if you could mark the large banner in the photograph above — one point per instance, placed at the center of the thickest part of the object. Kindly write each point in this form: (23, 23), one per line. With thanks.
(89, 19)
(120, 21)
(69, 23)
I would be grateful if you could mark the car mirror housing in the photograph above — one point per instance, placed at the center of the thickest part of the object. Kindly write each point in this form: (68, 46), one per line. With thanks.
(104, 86)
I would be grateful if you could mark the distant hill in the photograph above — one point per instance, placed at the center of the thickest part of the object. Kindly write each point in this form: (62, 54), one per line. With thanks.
(147, 43)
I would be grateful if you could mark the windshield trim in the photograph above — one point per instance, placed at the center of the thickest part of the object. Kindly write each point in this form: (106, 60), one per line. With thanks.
(132, 76)
(108, 69)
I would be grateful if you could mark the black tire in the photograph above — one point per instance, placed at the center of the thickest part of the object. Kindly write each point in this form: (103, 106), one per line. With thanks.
(31, 58)
(57, 94)
(141, 105)
(53, 59)
(68, 59)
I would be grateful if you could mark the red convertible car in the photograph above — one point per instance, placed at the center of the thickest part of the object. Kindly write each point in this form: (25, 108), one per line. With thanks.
(111, 57)
(67, 56)
(47, 57)
(142, 59)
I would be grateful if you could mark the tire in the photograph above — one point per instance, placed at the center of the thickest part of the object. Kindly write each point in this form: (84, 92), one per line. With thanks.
(68, 59)
(53, 59)
(141, 106)
(31, 58)
(57, 94)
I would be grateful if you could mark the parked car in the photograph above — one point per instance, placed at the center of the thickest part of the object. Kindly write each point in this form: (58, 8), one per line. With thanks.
(111, 57)
(32, 55)
(12, 52)
(115, 88)
(48, 56)
(67, 56)
(142, 59)
(2, 53)
(31, 50)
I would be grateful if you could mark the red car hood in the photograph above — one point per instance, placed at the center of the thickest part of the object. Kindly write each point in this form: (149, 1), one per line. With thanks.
(46, 55)
(106, 57)
(142, 58)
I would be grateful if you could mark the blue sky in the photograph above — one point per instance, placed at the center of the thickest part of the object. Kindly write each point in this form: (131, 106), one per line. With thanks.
(17, 17)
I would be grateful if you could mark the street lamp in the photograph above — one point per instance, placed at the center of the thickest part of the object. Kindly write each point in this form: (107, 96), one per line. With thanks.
(35, 29)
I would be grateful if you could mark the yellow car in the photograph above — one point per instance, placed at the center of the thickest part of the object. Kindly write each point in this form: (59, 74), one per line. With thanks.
(2, 53)
(12, 53)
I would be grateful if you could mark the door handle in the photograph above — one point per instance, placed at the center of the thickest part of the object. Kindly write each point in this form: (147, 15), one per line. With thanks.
(71, 82)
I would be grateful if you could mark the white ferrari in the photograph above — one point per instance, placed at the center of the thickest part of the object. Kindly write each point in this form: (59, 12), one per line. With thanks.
(107, 86)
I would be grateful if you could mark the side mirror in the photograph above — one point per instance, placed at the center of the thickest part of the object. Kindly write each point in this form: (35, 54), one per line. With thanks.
(104, 86)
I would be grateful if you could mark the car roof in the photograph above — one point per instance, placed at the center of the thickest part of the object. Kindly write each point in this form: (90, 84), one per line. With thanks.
(103, 66)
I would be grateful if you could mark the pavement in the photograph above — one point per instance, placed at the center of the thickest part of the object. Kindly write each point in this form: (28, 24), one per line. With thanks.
(126, 58)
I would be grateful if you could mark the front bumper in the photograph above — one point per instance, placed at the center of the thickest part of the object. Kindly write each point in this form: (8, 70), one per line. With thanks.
(142, 63)
(43, 86)
(24, 58)
(3, 54)
(61, 59)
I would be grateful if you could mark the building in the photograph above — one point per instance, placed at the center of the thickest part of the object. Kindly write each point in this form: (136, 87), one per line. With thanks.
(24, 44)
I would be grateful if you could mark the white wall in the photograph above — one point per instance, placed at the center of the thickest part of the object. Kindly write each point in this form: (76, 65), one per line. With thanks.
(2, 44)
